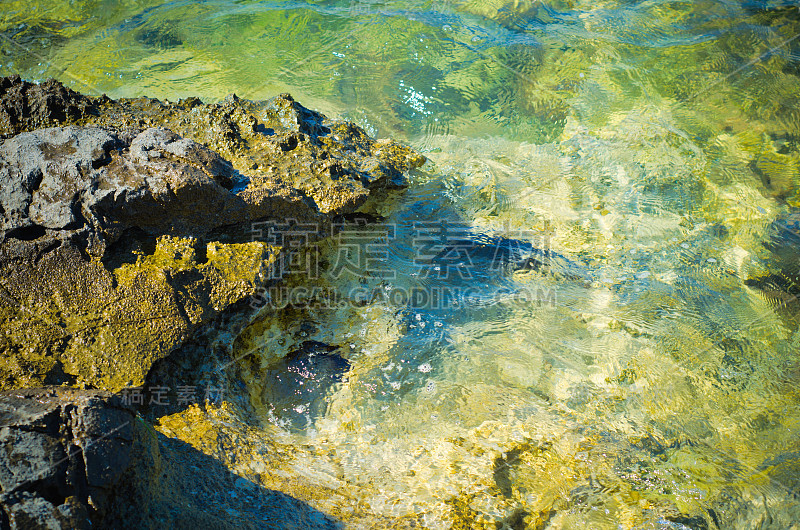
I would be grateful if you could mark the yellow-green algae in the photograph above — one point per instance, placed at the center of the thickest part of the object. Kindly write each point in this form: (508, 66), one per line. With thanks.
(716, 140)
(106, 328)
(665, 451)
(111, 325)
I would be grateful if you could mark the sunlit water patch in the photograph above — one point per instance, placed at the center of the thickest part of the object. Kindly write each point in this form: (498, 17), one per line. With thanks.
(582, 312)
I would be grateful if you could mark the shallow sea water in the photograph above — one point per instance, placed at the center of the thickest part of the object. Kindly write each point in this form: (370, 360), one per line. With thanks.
(645, 377)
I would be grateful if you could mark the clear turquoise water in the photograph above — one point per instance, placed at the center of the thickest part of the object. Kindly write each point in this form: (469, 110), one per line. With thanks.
(655, 141)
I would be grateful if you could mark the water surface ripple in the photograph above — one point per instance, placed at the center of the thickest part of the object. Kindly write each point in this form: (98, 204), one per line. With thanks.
(643, 375)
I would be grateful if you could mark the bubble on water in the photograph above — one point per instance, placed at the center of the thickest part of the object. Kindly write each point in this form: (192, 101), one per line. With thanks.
(711, 260)
(685, 245)
(425, 368)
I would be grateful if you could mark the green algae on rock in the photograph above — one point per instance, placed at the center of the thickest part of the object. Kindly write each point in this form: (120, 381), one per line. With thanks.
(122, 237)
(273, 143)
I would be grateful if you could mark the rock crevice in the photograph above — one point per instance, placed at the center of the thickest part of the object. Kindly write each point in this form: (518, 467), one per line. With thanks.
(127, 226)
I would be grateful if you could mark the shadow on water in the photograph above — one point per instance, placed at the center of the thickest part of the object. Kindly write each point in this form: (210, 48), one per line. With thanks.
(186, 488)
(193, 489)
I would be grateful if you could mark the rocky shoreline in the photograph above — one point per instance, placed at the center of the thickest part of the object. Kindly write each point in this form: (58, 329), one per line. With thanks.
(127, 252)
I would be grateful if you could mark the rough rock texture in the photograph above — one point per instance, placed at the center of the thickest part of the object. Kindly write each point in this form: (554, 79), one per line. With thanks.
(62, 453)
(128, 227)
(81, 459)
(279, 145)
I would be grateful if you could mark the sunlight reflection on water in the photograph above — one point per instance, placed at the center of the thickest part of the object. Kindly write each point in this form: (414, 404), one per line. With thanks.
(658, 386)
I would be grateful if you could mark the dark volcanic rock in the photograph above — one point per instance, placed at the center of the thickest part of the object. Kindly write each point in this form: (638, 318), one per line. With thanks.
(82, 459)
(275, 144)
(27, 106)
(62, 453)
(297, 386)
(129, 226)
(101, 182)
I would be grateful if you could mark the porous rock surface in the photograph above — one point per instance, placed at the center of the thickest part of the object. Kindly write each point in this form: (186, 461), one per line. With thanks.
(125, 226)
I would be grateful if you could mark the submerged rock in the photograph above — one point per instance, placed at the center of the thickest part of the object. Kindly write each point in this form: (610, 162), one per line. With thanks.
(296, 387)
(130, 226)
(779, 281)
(483, 255)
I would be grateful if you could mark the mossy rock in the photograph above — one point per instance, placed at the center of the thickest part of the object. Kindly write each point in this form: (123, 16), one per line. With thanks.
(128, 227)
